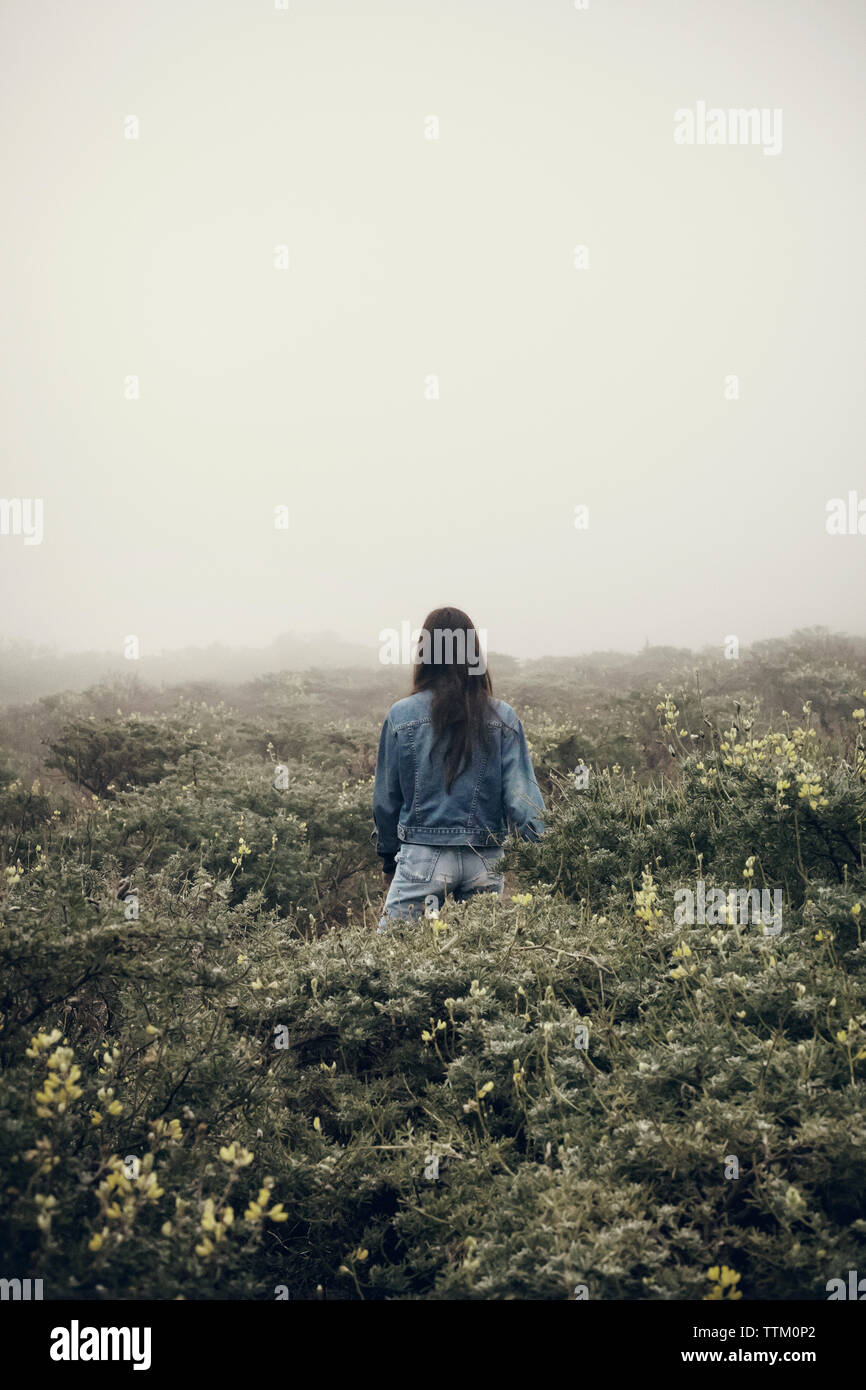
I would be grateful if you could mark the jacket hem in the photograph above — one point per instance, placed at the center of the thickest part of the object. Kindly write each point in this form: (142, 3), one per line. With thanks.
(450, 835)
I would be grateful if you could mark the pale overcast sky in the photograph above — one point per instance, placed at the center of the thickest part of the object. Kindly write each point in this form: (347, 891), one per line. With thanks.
(412, 258)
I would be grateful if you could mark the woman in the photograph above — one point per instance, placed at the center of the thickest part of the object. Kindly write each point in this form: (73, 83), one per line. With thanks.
(453, 776)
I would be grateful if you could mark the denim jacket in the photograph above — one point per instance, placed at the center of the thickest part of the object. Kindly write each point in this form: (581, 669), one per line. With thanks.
(495, 793)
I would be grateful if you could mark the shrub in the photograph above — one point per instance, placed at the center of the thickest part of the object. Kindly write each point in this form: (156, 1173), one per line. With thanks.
(239, 1088)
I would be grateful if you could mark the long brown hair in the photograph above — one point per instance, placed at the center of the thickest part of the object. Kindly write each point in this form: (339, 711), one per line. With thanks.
(452, 665)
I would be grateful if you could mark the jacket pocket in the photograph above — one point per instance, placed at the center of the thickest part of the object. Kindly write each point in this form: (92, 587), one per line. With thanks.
(417, 863)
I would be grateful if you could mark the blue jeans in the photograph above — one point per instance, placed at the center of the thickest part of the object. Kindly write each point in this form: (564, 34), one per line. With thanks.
(425, 873)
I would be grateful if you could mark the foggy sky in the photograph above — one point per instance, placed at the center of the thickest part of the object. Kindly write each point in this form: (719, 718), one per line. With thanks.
(412, 257)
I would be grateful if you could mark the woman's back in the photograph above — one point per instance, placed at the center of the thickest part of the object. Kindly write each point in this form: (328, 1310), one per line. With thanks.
(493, 791)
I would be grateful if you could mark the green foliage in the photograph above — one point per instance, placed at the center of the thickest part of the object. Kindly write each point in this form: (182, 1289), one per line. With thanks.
(238, 1086)
(557, 1165)
(787, 799)
(109, 754)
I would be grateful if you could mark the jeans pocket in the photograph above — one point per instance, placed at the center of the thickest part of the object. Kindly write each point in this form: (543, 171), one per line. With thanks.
(493, 859)
(417, 863)
(483, 868)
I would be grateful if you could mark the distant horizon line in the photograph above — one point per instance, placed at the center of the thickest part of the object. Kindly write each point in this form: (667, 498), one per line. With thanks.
(54, 651)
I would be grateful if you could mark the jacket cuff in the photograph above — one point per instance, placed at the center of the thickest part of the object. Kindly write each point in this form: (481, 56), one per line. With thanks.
(389, 864)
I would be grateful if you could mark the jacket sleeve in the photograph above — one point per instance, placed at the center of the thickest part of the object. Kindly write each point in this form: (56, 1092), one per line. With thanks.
(523, 804)
(387, 797)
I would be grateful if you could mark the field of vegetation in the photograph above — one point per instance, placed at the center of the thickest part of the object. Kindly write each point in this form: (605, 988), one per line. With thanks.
(219, 1082)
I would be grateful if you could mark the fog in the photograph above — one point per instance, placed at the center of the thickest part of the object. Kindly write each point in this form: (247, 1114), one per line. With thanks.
(327, 259)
